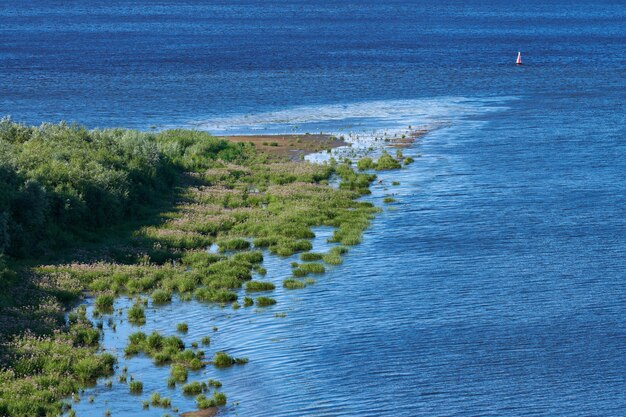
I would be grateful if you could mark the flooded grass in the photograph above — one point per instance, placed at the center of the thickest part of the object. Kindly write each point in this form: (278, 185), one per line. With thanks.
(255, 286)
(293, 284)
(310, 256)
(135, 387)
(264, 301)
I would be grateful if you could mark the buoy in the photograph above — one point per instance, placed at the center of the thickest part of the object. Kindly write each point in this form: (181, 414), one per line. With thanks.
(519, 59)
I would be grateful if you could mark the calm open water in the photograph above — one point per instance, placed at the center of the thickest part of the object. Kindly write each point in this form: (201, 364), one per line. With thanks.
(494, 286)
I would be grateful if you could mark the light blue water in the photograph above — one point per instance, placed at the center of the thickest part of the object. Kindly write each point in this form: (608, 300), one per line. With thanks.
(493, 287)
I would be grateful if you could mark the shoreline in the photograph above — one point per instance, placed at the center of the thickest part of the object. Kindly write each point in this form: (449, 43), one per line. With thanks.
(169, 256)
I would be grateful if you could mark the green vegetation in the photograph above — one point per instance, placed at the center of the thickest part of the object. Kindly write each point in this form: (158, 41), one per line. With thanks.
(150, 204)
(160, 296)
(206, 341)
(388, 200)
(182, 328)
(265, 301)
(136, 387)
(310, 256)
(293, 284)
(62, 363)
(333, 257)
(104, 303)
(218, 400)
(309, 268)
(395, 183)
(194, 388)
(158, 401)
(224, 360)
(136, 314)
(408, 160)
(386, 162)
(254, 286)
(213, 383)
(365, 163)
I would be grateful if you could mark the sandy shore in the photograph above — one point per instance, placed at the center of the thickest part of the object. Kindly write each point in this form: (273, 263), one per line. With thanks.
(291, 146)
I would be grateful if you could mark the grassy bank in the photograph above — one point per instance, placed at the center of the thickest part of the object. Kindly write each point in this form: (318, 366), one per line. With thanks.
(119, 212)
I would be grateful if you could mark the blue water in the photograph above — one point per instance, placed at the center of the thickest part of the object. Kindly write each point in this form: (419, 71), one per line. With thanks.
(495, 286)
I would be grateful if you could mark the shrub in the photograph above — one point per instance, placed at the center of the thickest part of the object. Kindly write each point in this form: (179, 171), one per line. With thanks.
(265, 301)
(254, 286)
(178, 372)
(386, 161)
(365, 163)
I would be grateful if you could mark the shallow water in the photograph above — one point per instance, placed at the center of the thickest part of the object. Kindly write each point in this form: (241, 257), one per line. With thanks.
(494, 286)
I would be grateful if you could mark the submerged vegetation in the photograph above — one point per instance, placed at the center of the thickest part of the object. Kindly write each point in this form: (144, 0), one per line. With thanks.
(144, 209)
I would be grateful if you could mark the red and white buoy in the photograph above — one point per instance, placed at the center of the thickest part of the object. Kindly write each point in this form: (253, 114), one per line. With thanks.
(519, 59)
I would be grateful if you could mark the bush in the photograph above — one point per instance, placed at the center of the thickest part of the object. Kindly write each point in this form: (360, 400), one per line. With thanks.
(386, 161)
(365, 163)
(254, 286)
(178, 372)
(265, 301)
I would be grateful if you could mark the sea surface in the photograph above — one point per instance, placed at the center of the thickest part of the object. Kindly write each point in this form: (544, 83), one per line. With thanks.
(494, 286)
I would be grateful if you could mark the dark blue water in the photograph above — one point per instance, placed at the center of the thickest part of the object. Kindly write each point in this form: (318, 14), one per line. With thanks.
(495, 286)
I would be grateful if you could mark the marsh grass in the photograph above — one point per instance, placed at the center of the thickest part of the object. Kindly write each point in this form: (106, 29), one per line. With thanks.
(136, 314)
(182, 328)
(135, 387)
(194, 388)
(224, 360)
(293, 284)
(388, 200)
(160, 296)
(104, 303)
(255, 286)
(264, 301)
(310, 256)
